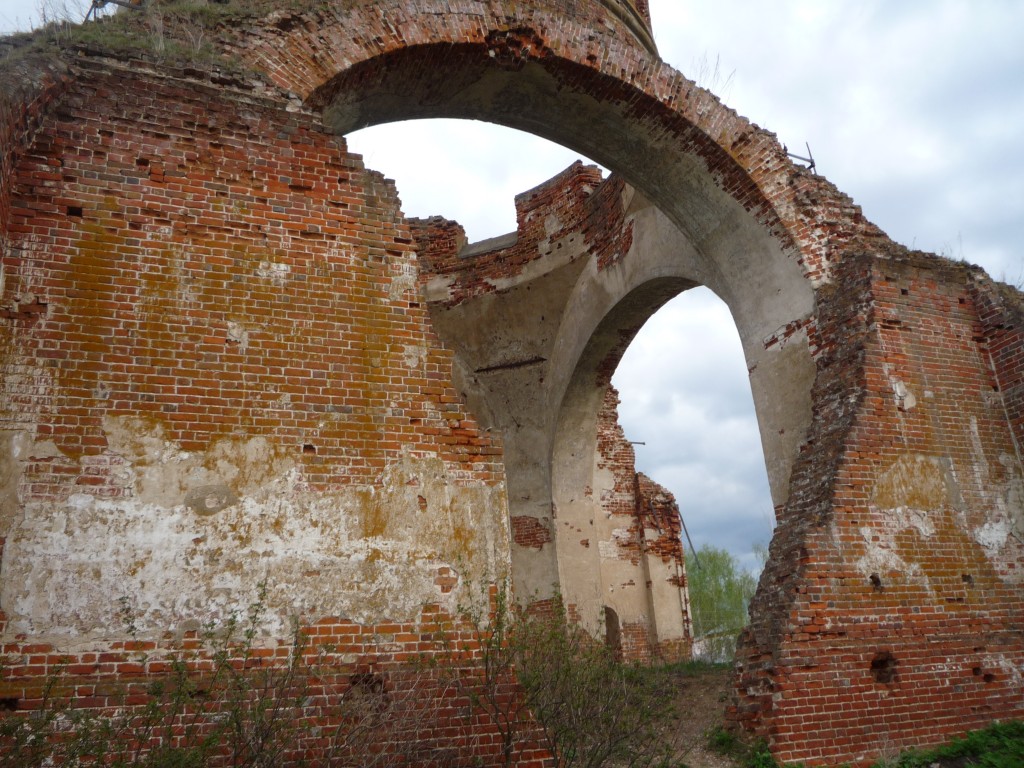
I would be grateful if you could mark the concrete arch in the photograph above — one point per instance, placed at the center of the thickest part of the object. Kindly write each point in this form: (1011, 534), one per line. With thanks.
(587, 577)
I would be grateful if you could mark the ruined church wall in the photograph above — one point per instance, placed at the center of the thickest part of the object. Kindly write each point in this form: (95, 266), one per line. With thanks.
(915, 489)
(637, 536)
(230, 381)
(1001, 311)
(905, 628)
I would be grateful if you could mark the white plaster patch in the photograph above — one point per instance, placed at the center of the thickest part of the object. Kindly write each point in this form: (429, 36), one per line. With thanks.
(238, 334)
(273, 271)
(980, 463)
(552, 224)
(439, 288)
(414, 355)
(905, 399)
(1006, 666)
(879, 555)
(608, 550)
(992, 536)
(917, 519)
(401, 285)
(362, 553)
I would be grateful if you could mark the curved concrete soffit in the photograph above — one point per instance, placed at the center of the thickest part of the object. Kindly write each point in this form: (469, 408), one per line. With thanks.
(601, 93)
(606, 309)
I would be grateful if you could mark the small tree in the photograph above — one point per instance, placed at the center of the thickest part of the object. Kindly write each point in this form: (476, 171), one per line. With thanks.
(720, 591)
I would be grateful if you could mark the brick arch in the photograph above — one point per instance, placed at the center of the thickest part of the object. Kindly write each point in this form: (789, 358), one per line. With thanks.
(767, 232)
(408, 60)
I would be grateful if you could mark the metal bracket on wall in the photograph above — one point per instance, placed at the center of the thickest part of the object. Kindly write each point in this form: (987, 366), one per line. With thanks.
(134, 5)
(809, 159)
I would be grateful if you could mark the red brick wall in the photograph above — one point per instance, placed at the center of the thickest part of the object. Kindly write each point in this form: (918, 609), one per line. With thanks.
(896, 554)
(643, 507)
(574, 210)
(889, 612)
(217, 265)
(426, 672)
(212, 265)
(1001, 311)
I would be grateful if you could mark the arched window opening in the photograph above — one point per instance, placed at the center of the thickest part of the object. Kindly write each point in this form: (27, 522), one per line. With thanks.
(686, 407)
(612, 632)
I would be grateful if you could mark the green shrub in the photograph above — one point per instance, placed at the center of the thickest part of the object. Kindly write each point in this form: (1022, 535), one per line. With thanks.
(998, 746)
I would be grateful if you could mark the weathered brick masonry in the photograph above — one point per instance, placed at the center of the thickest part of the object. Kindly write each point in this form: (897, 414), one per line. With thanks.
(218, 371)
(904, 568)
(222, 364)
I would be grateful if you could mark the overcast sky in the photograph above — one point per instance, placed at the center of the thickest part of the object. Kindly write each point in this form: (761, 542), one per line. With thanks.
(915, 108)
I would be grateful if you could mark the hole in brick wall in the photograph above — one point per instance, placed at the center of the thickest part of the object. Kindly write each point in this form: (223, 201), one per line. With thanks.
(904, 292)
(309, 449)
(876, 582)
(961, 300)
(9, 704)
(142, 162)
(883, 667)
(966, 578)
(988, 677)
(75, 210)
(367, 693)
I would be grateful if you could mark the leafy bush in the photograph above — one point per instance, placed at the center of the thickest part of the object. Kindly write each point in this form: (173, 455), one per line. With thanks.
(230, 702)
(998, 746)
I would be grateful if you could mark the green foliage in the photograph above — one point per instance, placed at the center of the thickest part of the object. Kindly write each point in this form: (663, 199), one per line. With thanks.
(531, 676)
(760, 757)
(178, 719)
(998, 746)
(720, 591)
(170, 32)
(756, 755)
(724, 742)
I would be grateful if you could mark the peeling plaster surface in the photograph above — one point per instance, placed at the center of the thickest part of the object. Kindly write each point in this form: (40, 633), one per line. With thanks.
(17, 447)
(919, 498)
(914, 481)
(367, 553)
